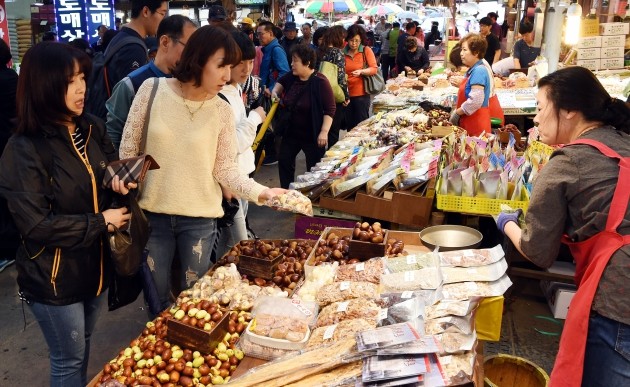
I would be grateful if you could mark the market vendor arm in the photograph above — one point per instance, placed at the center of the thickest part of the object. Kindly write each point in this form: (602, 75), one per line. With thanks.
(474, 101)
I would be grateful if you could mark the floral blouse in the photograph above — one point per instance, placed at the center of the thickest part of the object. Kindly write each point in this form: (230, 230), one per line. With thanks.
(335, 55)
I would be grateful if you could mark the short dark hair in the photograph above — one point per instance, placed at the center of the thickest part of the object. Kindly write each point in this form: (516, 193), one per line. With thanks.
(476, 43)
(108, 36)
(5, 53)
(576, 88)
(41, 103)
(355, 30)
(306, 24)
(267, 25)
(49, 36)
(138, 5)
(396, 25)
(173, 26)
(525, 28)
(335, 36)
(305, 53)
(248, 50)
(320, 32)
(493, 14)
(201, 45)
(82, 45)
(485, 21)
(410, 25)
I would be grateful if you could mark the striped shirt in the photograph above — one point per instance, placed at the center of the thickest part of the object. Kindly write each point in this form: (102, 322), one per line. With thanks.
(79, 142)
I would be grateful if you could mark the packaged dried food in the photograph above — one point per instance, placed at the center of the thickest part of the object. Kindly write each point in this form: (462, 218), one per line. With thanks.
(278, 331)
(491, 272)
(425, 344)
(316, 277)
(261, 351)
(412, 262)
(465, 290)
(457, 324)
(458, 367)
(450, 307)
(427, 278)
(292, 201)
(297, 367)
(341, 291)
(368, 271)
(386, 336)
(346, 329)
(469, 258)
(428, 297)
(348, 310)
(406, 310)
(377, 368)
(456, 342)
(285, 307)
(223, 277)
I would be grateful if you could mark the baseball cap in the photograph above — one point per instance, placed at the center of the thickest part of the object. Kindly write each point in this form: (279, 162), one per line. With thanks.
(290, 26)
(247, 20)
(217, 13)
(485, 21)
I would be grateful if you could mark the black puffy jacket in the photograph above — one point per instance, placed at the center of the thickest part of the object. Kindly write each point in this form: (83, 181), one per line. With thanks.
(64, 255)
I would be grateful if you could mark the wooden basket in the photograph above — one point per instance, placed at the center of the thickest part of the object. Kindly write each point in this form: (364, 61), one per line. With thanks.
(512, 371)
(196, 339)
(365, 250)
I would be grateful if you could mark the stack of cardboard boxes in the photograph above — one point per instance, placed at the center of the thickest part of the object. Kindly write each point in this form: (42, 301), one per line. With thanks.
(605, 51)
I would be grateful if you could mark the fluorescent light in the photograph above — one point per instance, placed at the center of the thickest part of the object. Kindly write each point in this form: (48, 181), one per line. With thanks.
(572, 29)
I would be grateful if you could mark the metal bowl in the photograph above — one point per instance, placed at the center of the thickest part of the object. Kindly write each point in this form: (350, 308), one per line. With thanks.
(450, 237)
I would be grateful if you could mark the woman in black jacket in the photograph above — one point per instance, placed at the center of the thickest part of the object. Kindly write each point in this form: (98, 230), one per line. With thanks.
(50, 174)
(413, 58)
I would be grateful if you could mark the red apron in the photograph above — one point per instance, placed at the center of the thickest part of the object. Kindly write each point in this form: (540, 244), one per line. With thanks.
(591, 257)
(479, 121)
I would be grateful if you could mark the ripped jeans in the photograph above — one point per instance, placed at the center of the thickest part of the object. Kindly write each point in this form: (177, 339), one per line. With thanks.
(193, 238)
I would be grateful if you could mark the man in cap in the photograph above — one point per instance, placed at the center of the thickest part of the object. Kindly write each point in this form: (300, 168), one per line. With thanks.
(496, 28)
(493, 52)
(289, 39)
(380, 27)
(216, 15)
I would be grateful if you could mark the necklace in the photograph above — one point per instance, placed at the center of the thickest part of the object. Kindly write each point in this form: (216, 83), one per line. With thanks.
(190, 111)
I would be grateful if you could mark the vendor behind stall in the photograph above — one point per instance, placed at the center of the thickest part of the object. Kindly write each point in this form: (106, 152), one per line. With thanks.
(524, 53)
(413, 57)
(581, 198)
(473, 110)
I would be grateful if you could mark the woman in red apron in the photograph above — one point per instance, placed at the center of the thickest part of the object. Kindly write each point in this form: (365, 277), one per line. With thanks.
(473, 99)
(581, 198)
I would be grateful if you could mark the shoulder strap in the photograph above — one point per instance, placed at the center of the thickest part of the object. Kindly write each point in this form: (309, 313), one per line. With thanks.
(223, 97)
(113, 48)
(147, 116)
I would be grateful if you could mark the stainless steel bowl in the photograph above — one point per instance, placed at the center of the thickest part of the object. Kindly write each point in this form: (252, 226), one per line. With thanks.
(450, 237)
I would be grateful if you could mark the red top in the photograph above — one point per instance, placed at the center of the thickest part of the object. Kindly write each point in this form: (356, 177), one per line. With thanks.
(355, 84)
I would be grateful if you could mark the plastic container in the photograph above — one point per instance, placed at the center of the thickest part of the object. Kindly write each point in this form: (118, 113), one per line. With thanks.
(480, 206)
(277, 343)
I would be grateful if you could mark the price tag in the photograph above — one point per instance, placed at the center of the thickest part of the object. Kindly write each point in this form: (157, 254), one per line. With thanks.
(328, 333)
(407, 294)
(343, 306)
(345, 285)
(411, 260)
(360, 266)
(409, 276)
(382, 314)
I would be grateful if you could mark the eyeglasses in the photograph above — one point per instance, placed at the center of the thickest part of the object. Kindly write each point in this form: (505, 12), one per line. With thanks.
(178, 41)
(161, 13)
(355, 41)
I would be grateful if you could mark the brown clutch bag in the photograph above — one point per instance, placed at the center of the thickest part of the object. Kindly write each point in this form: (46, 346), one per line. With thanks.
(131, 170)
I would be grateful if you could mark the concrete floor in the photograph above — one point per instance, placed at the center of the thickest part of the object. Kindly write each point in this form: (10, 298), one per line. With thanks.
(22, 341)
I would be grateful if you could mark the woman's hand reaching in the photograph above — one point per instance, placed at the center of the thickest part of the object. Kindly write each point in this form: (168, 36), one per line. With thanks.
(270, 193)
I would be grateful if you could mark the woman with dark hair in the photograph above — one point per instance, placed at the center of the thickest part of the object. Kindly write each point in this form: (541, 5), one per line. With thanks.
(191, 134)
(360, 62)
(309, 98)
(473, 99)
(50, 174)
(581, 199)
(413, 57)
(333, 53)
(318, 37)
(246, 125)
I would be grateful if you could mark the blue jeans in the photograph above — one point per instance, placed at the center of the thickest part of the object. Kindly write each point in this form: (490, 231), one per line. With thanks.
(237, 232)
(67, 330)
(193, 237)
(607, 359)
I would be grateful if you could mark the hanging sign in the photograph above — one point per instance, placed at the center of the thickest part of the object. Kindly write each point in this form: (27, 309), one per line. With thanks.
(71, 20)
(100, 12)
(4, 24)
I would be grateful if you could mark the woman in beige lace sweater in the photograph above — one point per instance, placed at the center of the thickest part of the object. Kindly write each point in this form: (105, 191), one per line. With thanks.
(191, 134)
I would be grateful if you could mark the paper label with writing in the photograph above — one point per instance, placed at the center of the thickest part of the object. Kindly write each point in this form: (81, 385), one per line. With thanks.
(360, 266)
(328, 333)
(345, 285)
(411, 260)
(409, 276)
(382, 314)
(407, 294)
(343, 306)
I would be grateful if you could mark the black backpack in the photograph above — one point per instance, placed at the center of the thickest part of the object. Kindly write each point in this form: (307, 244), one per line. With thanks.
(99, 88)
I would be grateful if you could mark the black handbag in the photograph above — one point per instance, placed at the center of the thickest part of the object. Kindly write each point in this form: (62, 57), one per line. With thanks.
(127, 245)
(230, 208)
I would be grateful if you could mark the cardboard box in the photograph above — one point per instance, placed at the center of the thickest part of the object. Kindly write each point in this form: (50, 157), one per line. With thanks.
(591, 64)
(559, 296)
(614, 28)
(612, 52)
(589, 42)
(588, 53)
(611, 63)
(613, 40)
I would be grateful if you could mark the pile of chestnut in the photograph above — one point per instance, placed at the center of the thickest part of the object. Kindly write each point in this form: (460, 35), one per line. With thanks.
(365, 232)
(333, 248)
